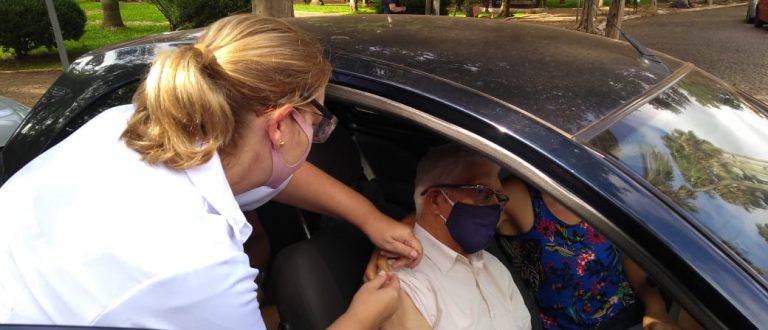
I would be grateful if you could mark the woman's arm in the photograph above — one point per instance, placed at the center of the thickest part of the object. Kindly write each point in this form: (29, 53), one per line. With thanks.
(517, 215)
(314, 190)
(373, 304)
(656, 316)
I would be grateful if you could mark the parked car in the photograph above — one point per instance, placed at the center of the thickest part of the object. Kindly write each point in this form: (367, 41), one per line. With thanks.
(11, 114)
(666, 160)
(761, 13)
(751, 5)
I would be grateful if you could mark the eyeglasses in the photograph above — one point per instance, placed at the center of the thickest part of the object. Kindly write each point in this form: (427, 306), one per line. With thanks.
(323, 129)
(481, 194)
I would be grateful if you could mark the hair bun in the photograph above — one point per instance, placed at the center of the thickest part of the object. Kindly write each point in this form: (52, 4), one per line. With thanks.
(208, 57)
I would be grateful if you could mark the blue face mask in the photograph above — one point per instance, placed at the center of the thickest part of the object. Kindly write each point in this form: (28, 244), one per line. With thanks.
(472, 226)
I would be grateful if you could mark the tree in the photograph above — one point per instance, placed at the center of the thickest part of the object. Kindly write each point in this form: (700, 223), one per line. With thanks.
(504, 10)
(587, 20)
(111, 12)
(352, 6)
(190, 14)
(615, 16)
(273, 8)
(18, 30)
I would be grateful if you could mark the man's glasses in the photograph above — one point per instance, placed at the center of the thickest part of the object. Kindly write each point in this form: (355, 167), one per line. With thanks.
(481, 194)
(323, 129)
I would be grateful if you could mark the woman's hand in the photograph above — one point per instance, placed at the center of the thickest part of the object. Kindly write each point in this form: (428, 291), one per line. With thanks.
(373, 303)
(396, 240)
(377, 263)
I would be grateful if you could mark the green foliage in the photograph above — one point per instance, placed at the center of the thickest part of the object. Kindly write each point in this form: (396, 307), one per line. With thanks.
(24, 24)
(343, 8)
(414, 6)
(189, 14)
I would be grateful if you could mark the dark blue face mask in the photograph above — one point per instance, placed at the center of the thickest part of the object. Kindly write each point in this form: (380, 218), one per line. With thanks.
(472, 226)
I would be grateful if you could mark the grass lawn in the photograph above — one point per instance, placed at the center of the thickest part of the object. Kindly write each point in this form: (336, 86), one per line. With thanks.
(335, 8)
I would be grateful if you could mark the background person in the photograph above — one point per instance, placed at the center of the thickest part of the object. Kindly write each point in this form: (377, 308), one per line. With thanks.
(393, 7)
(136, 218)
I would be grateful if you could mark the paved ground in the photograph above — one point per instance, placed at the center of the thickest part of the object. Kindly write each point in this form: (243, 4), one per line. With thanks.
(718, 41)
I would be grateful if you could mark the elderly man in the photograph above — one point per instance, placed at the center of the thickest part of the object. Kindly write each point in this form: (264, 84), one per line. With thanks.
(458, 285)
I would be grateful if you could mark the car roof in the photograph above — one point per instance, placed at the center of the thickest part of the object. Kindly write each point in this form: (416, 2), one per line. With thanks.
(564, 78)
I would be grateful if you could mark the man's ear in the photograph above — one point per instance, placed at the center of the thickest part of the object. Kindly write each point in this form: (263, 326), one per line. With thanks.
(432, 201)
(275, 123)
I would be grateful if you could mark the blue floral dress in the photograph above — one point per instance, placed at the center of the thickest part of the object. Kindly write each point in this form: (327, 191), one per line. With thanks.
(575, 272)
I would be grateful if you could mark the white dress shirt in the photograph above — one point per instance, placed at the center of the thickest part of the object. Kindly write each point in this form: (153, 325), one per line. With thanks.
(92, 235)
(454, 292)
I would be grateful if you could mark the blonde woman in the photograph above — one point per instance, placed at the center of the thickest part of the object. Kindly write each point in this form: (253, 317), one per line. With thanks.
(136, 219)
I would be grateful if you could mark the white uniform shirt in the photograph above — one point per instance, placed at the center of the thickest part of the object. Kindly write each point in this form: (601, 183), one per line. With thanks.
(91, 235)
(454, 292)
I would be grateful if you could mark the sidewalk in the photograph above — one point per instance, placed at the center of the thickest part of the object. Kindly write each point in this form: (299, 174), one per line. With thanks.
(566, 17)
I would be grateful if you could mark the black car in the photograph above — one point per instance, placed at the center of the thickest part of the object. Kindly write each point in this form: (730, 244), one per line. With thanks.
(667, 161)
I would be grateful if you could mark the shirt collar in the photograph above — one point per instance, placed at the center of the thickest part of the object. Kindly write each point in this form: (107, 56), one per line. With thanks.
(210, 180)
(440, 254)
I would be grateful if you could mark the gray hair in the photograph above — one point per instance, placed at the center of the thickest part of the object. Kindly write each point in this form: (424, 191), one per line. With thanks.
(444, 164)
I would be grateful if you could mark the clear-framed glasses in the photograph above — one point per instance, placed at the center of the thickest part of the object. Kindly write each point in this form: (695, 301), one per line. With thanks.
(481, 195)
(323, 129)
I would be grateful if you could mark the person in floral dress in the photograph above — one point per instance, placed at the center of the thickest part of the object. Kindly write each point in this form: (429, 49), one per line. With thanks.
(580, 279)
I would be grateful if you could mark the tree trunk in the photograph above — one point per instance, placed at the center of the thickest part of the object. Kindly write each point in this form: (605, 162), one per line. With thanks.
(436, 7)
(317, 3)
(587, 22)
(111, 12)
(428, 7)
(352, 6)
(273, 8)
(600, 3)
(504, 10)
(654, 5)
(615, 16)
(709, 2)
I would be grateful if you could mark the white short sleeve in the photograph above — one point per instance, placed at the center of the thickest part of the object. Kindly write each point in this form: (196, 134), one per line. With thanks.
(421, 293)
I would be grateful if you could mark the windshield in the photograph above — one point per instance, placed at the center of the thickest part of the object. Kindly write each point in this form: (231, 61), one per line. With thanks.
(707, 150)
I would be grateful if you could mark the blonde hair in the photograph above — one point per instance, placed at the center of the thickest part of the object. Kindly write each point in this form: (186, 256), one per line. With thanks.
(194, 99)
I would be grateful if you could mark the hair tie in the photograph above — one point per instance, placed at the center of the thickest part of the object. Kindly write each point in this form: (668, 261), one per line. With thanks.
(208, 56)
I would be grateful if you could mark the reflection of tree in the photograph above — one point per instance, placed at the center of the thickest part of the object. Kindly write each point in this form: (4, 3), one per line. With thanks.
(703, 91)
(757, 269)
(707, 169)
(763, 230)
(657, 169)
(673, 100)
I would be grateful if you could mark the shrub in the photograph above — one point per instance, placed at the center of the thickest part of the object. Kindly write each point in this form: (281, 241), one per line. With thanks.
(24, 24)
(189, 14)
(414, 6)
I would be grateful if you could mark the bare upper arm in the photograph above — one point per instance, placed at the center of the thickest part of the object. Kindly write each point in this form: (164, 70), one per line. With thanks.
(407, 316)
(517, 216)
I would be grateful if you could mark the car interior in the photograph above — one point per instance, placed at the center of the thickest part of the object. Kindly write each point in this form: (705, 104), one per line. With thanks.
(317, 263)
